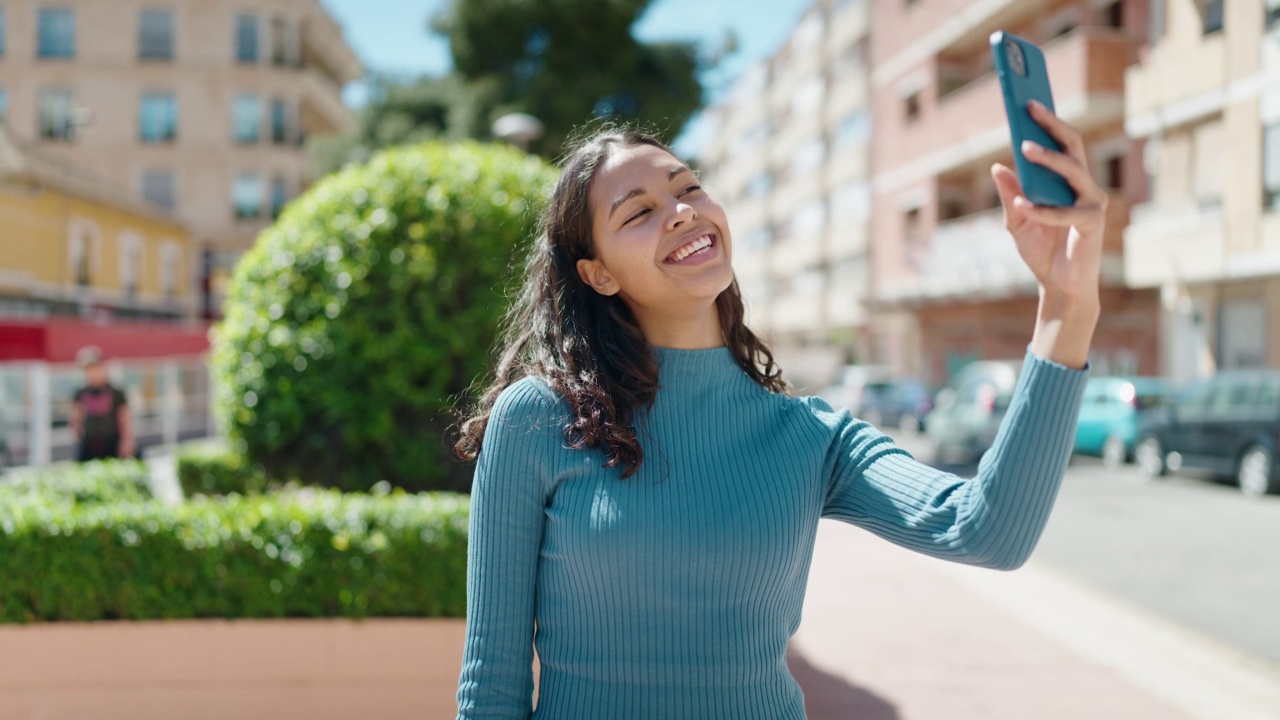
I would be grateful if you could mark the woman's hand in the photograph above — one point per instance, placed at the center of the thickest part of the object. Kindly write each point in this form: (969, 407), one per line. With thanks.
(1062, 246)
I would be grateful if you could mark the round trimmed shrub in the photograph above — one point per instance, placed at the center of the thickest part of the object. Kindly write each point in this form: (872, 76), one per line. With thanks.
(373, 303)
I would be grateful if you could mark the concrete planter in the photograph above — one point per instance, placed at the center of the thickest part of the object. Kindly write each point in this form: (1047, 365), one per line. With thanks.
(195, 669)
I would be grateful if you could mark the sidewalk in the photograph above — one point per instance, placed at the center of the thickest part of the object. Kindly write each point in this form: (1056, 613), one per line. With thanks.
(892, 635)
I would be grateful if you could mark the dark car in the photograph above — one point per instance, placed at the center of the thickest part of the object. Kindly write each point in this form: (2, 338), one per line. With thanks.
(1227, 426)
(898, 403)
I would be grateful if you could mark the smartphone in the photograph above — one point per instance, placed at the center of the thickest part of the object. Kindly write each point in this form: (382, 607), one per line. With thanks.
(1023, 77)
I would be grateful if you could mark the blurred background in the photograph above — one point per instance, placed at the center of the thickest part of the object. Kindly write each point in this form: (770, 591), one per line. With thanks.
(147, 149)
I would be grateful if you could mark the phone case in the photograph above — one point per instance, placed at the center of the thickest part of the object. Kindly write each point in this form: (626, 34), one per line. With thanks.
(1041, 185)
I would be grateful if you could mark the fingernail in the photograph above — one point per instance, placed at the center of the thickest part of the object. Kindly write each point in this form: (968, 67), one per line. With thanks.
(1035, 105)
(1030, 148)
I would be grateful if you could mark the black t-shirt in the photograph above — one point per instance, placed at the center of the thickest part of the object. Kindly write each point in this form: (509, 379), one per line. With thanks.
(101, 408)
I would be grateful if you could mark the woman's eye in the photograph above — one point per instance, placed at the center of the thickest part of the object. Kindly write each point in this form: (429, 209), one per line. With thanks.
(636, 216)
(692, 188)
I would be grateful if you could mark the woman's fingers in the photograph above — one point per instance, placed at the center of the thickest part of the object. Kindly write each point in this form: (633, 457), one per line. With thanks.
(1078, 215)
(1009, 189)
(1068, 137)
(1068, 167)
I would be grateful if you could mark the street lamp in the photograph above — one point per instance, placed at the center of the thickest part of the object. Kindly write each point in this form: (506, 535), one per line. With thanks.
(519, 129)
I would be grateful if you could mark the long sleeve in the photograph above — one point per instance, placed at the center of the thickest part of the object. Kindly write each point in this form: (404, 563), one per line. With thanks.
(994, 519)
(506, 527)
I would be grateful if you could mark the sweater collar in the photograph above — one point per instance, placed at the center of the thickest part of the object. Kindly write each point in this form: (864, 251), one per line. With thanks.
(711, 363)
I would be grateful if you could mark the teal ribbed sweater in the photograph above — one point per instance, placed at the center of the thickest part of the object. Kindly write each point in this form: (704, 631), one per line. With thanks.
(672, 594)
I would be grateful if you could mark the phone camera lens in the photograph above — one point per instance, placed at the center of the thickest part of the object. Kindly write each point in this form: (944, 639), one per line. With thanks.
(1017, 61)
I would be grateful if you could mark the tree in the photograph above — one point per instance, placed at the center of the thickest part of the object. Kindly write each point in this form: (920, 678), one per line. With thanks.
(568, 61)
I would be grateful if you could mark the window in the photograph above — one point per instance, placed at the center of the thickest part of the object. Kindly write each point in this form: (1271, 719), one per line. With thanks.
(1113, 15)
(912, 105)
(54, 114)
(1114, 174)
(281, 42)
(1209, 143)
(56, 28)
(4, 106)
(158, 118)
(279, 196)
(809, 155)
(83, 250)
(1211, 15)
(247, 38)
(130, 262)
(2, 31)
(854, 129)
(1271, 167)
(246, 196)
(155, 35)
(158, 188)
(1272, 15)
(760, 185)
(279, 122)
(247, 119)
(170, 264)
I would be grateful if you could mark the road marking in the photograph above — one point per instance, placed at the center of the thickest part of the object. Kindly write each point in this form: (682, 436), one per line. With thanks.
(1203, 678)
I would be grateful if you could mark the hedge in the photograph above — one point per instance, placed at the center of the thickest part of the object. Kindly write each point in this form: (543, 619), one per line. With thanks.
(217, 470)
(356, 321)
(309, 553)
(100, 481)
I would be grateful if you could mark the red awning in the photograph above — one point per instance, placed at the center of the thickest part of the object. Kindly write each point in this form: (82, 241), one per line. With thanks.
(58, 340)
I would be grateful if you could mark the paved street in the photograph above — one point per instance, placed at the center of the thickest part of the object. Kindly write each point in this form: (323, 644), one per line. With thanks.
(1144, 600)
(1188, 549)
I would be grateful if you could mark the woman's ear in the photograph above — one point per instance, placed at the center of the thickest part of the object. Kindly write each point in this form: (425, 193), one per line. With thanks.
(593, 273)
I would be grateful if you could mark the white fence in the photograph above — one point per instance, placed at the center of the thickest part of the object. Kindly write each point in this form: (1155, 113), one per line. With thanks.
(168, 399)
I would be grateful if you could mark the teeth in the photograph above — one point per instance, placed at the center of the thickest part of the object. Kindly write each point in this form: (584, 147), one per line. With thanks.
(693, 247)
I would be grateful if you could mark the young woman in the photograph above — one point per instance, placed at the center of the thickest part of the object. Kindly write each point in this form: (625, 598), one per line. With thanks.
(647, 493)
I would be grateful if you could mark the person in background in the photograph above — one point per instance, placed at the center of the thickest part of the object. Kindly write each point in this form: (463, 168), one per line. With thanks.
(100, 418)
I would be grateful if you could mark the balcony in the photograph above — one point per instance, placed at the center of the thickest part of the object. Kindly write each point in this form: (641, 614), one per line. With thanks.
(1174, 244)
(974, 257)
(322, 107)
(1176, 85)
(1087, 69)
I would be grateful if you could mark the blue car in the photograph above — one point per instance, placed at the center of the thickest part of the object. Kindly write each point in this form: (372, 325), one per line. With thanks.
(1108, 425)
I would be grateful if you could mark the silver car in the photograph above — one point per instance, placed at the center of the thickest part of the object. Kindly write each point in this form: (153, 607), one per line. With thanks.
(967, 410)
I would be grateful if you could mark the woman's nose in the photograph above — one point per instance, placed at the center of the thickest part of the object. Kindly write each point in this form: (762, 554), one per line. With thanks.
(683, 213)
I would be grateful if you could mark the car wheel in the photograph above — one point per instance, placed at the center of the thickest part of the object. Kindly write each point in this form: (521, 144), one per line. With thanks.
(1150, 456)
(1254, 473)
(1114, 452)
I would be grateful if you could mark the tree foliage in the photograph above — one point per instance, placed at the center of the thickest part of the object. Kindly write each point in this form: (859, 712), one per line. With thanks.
(568, 61)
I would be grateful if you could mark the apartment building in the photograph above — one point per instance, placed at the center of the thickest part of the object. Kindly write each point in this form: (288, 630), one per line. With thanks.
(73, 244)
(201, 107)
(948, 284)
(787, 153)
(1206, 101)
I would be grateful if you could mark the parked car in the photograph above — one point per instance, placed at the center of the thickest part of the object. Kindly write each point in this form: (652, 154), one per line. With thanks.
(848, 390)
(1109, 416)
(898, 403)
(968, 409)
(1228, 426)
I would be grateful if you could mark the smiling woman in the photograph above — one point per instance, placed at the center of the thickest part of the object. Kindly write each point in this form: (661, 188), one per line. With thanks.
(647, 491)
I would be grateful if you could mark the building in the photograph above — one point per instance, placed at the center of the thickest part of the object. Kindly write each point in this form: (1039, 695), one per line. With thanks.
(787, 153)
(74, 244)
(1206, 101)
(948, 284)
(200, 107)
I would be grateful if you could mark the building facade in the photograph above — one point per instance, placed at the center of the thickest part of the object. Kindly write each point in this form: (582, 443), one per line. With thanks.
(74, 244)
(1206, 101)
(200, 107)
(787, 153)
(948, 285)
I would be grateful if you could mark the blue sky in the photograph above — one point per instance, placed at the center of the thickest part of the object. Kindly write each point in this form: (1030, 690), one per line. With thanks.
(392, 35)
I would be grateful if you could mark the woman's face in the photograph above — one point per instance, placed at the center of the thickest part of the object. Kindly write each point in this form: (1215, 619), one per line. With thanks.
(661, 243)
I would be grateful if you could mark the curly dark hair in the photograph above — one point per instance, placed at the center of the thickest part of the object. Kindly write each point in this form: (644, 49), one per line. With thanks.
(588, 347)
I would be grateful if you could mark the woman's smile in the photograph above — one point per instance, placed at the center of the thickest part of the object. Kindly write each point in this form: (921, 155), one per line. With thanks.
(695, 250)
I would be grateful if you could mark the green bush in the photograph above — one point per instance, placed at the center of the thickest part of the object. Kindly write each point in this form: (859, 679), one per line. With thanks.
(100, 481)
(357, 319)
(216, 470)
(313, 553)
